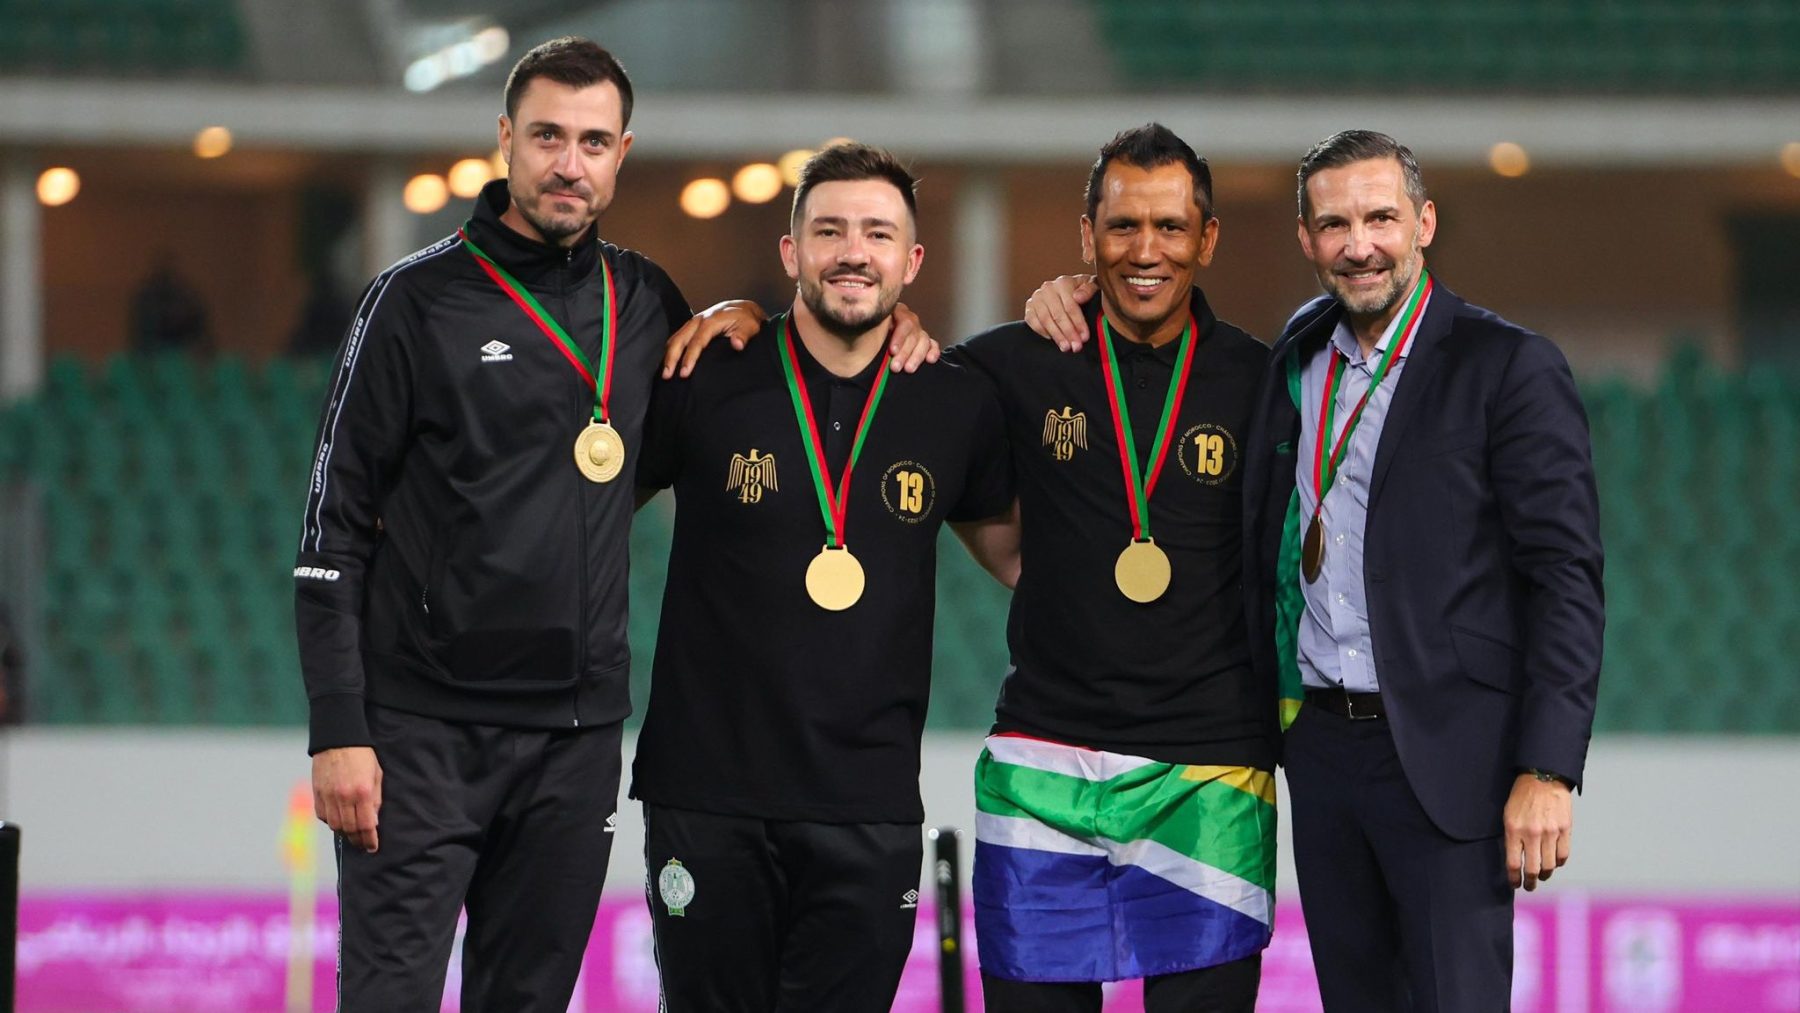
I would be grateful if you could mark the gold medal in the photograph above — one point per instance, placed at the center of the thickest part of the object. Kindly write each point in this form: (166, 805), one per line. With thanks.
(834, 579)
(1312, 550)
(1142, 571)
(600, 452)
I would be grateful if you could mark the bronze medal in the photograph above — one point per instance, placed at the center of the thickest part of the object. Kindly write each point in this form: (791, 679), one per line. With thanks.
(1312, 550)
(600, 452)
(1329, 455)
(1142, 571)
(834, 579)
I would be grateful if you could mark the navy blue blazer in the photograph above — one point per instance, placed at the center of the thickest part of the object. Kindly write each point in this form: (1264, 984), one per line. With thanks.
(1482, 554)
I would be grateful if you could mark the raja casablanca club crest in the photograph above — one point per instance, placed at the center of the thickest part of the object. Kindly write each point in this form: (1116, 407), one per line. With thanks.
(676, 885)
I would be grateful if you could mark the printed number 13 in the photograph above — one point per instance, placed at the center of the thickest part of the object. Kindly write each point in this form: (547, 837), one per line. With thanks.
(912, 491)
(1210, 449)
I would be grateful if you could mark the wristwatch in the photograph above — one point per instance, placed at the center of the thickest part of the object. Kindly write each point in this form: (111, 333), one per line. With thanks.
(1548, 776)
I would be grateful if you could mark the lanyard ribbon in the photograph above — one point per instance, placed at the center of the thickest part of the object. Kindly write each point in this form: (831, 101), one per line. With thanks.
(1325, 469)
(523, 298)
(1137, 487)
(833, 505)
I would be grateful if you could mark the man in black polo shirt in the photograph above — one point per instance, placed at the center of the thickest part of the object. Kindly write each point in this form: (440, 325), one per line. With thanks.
(779, 759)
(1126, 821)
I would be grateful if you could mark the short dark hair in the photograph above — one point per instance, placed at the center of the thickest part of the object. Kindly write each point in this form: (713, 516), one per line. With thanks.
(848, 163)
(1346, 146)
(570, 60)
(1148, 147)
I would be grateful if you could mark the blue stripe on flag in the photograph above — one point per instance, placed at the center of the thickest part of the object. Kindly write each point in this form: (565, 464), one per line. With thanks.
(1044, 916)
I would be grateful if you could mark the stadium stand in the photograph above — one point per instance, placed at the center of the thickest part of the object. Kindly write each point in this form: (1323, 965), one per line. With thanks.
(165, 38)
(171, 491)
(1673, 47)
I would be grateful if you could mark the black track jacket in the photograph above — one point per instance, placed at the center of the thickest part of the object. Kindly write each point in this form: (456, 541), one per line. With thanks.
(453, 562)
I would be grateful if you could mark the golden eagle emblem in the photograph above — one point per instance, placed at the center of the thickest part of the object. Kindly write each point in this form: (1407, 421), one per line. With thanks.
(749, 476)
(1066, 432)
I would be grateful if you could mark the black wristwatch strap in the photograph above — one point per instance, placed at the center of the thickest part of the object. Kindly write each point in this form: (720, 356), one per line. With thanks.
(1548, 776)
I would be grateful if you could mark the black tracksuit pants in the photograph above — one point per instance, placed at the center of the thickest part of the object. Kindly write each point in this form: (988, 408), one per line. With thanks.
(514, 824)
(779, 917)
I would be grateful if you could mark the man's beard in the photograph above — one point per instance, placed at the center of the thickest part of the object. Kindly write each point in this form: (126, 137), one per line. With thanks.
(1402, 275)
(554, 228)
(813, 294)
(1379, 302)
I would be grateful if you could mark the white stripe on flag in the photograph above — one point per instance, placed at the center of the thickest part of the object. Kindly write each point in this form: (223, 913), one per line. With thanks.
(1216, 885)
(1198, 878)
(1072, 761)
(1018, 832)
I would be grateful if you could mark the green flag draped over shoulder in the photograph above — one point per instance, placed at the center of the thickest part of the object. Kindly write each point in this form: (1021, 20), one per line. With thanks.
(1289, 601)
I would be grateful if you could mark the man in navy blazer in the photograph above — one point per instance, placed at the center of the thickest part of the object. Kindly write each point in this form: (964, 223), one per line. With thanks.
(1425, 585)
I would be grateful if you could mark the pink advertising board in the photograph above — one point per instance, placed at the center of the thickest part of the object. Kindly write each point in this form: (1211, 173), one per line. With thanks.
(229, 953)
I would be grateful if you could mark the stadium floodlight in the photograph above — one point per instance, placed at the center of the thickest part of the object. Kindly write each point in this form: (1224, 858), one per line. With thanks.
(756, 183)
(457, 59)
(212, 142)
(790, 164)
(425, 193)
(58, 186)
(468, 176)
(705, 198)
(1509, 159)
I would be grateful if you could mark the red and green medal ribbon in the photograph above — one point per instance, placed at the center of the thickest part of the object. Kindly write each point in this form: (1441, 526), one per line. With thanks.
(1325, 468)
(1138, 485)
(834, 504)
(598, 380)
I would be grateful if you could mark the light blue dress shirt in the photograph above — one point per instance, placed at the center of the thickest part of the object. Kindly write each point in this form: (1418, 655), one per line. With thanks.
(1334, 647)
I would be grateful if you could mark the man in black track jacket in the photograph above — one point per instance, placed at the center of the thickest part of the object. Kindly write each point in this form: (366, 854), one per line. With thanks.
(461, 580)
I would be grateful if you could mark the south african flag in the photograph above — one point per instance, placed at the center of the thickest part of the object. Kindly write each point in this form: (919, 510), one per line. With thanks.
(1098, 866)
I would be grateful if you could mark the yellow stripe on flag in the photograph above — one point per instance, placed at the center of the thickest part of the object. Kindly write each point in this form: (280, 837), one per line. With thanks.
(1249, 780)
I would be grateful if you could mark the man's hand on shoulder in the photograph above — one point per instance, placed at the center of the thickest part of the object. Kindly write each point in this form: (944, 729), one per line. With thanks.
(737, 319)
(1054, 310)
(1539, 819)
(347, 793)
(907, 341)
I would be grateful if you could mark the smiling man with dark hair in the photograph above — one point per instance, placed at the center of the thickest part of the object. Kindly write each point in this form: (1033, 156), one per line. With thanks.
(1126, 796)
(779, 759)
(1423, 570)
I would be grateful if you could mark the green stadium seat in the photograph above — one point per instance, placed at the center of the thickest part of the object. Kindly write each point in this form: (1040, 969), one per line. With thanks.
(168, 543)
(121, 37)
(1676, 47)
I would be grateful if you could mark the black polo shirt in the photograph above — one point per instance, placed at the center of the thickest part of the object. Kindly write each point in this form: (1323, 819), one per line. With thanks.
(762, 703)
(1169, 680)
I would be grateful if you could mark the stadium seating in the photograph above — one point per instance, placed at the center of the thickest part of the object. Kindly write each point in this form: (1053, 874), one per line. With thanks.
(121, 37)
(170, 493)
(1674, 47)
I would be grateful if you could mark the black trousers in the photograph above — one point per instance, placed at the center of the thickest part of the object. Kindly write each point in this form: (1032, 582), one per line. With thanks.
(779, 916)
(513, 824)
(1400, 916)
(1224, 988)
